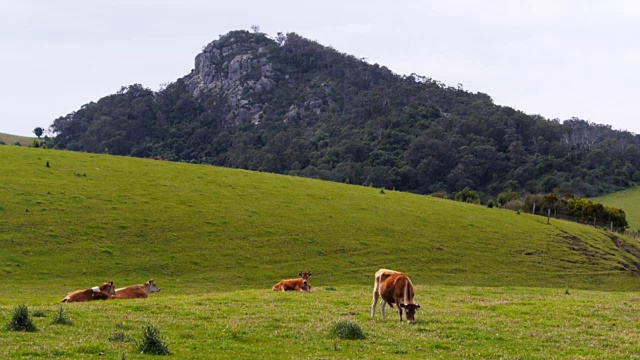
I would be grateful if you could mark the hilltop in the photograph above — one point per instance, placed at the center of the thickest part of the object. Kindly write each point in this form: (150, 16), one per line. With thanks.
(88, 218)
(9, 139)
(292, 106)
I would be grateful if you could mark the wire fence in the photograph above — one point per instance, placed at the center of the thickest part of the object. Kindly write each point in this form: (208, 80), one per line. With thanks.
(607, 225)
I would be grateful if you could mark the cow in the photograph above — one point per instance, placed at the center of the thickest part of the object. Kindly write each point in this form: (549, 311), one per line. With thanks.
(101, 292)
(301, 284)
(136, 291)
(394, 288)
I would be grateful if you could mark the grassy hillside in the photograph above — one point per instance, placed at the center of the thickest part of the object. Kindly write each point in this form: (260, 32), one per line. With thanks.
(90, 218)
(12, 139)
(626, 200)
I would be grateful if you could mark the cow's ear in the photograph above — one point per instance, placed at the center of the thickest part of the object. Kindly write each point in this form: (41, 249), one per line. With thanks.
(417, 306)
(309, 274)
(300, 274)
(401, 305)
(111, 283)
(151, 280)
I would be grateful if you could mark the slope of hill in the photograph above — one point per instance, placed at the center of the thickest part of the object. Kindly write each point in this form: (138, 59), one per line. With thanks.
(12, 139)
(626, 200)
(89, 218)
(292, 106)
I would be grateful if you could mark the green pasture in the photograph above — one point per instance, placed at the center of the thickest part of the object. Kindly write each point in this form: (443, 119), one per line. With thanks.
(454, 322)
(492, 282)
(626, 200)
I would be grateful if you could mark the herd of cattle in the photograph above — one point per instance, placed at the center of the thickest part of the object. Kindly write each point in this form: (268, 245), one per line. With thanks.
(391, 287)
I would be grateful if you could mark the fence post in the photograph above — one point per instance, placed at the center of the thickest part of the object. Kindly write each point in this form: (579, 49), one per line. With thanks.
(548, 215)
(534, 209)
(594, 221)
(611, 225)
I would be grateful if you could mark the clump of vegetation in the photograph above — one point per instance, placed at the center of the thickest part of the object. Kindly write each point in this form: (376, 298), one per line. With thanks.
(152, 342)
(330, 288)
(490, 204)
(469, 196)
(21, 321)
(440, 194)
(347, 330)
(120, 336)
(60, 317)
(38, 313)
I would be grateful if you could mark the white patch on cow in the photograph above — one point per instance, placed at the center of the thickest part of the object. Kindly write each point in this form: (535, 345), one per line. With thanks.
(95, 289)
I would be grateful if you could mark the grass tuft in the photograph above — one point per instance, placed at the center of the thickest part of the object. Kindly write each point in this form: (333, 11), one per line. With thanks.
(120, 336)
(38, 313)
(152, 342)
(347, 330)
(20, 321)
(60, 317)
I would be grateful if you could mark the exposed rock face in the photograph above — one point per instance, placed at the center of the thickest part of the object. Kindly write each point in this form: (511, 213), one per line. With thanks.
(230, 68)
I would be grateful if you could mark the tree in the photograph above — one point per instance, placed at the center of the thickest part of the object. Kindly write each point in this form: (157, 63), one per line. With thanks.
(38, 131)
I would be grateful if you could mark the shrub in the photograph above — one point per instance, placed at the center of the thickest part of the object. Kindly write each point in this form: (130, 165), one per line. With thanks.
(506, 196)
(440, 194)
(514, 205)
(469, 196)
(60, 318)
(21, 321)
(152, 342)
(490, 204)
(347, 330)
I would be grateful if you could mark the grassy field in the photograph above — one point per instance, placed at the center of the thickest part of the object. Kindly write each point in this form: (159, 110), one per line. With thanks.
(453, 323)
(626, 200)
(217, 239)
(12, 139)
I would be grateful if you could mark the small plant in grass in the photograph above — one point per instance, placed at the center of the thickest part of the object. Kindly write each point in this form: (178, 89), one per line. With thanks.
(20, 321)
(120, 336)
(152, 342)
(330, 288)
(347, 330)
(38, 313)
(60, 317)
(566, 291)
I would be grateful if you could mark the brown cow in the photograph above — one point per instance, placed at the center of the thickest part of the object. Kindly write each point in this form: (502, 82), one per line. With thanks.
(394, 288)
(301, 284)
(136, 291)
(101, 292)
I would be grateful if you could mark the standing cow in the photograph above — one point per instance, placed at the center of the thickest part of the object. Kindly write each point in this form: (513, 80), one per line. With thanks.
(394, 288)
(301, 284)
(136, 291)
(101, 292)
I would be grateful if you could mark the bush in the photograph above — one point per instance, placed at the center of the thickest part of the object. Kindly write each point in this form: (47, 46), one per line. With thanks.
(507, 196)
(469, 196)
(514, 205)
(347, 330)
(490, 204)
(60, 318)
(151, 342)
(440, 194)
(21, 321)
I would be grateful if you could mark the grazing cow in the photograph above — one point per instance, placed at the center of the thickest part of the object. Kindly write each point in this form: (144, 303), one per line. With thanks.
(136, 291)
(394, 288)
(301, 284)
(101, 292)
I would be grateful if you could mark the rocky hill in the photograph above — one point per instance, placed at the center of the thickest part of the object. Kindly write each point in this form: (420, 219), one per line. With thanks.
(290, 105)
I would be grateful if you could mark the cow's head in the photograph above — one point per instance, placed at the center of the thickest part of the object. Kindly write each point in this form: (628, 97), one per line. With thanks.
(410, 311)
(108, 288)
(152, 286)
(305, 280)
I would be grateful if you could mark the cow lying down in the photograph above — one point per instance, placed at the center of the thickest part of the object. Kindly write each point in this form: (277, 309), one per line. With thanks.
(301, 284)
(101, 292)
(136, 291)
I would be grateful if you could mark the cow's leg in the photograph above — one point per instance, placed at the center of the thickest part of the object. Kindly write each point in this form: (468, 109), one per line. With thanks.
(374, 302)
(400, 309)
(382, 304)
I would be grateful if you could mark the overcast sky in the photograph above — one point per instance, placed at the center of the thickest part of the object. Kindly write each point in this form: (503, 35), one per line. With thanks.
(556, 58)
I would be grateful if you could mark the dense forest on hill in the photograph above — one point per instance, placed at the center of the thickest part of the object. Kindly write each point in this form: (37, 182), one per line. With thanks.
(292, 106)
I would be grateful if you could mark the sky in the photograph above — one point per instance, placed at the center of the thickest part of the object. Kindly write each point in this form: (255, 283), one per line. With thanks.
(559, 59)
